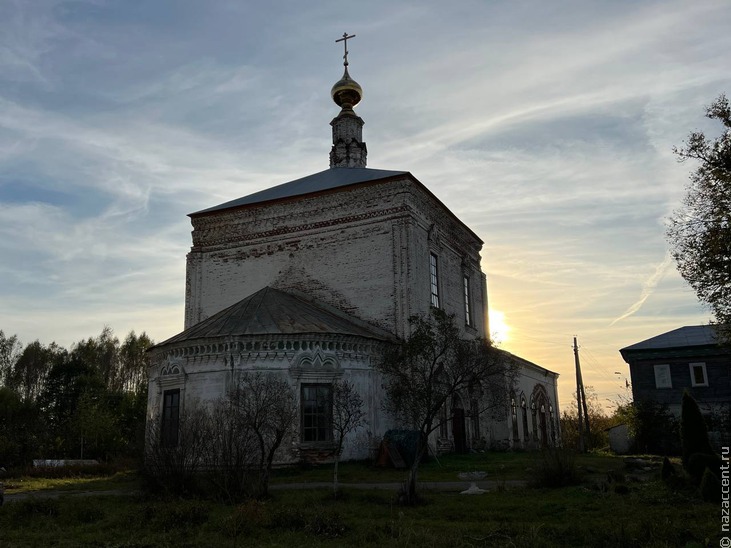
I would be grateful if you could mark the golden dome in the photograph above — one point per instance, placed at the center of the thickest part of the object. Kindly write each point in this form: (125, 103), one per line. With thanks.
(346, 92)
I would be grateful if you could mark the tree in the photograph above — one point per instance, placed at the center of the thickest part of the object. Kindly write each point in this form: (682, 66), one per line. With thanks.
(347, 415)
(232, 455)
(700, 231)
(10, 350)
(175, 467)
(265, 405)
(133, 362)
(102, 355)
(67, 382)
(597, 437)
(693, 433)
(20, 429)
(31, 369)
(430, 367)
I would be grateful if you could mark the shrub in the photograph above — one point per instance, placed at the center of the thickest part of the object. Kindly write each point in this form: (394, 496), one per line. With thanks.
(327, 525)
(171, 515)
(33, 507)
(289, 519)
(710, 487)
(654, 427)
(693, 433)
(667, 471)
(556, 468)
(315, 521)
(246, 518)
(698, 463)
(82, 511)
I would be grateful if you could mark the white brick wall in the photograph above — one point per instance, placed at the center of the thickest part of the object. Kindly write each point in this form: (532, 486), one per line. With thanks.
(364, 249)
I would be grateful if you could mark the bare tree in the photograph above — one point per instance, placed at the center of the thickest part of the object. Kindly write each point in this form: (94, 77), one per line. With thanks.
(431, 366)
(232, 455)
(266, 405)
(347, 415)
(174, 462)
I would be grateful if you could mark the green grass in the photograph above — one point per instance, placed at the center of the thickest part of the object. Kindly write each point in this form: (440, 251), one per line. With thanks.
(124, 480)
(649, 515)
(498, 465)
(591, 514)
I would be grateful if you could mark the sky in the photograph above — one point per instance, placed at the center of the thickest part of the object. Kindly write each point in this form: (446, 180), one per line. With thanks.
(547, 127)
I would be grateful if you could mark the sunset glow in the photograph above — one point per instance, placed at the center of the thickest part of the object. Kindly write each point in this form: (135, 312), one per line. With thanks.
(499, 329)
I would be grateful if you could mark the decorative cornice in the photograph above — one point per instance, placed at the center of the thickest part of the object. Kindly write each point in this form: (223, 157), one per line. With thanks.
(223, 232)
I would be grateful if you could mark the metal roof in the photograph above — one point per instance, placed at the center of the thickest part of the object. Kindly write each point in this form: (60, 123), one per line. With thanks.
(270, 311)
(692, 335)
(329, 179)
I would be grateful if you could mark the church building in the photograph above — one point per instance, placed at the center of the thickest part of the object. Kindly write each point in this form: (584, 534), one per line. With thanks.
(313, 278)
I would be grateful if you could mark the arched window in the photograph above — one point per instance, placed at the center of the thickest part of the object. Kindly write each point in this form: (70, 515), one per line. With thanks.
(524, 412)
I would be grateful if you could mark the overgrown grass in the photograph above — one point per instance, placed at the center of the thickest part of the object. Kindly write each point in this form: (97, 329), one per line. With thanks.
(498, 465)
(100, 480)
(649, 514)
(594, 513)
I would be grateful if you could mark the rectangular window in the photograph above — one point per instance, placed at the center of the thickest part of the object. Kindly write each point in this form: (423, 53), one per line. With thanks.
(316, 412)
(434, 271)
(170, 418)
(662, 376)
(698, 374)
(467, 308)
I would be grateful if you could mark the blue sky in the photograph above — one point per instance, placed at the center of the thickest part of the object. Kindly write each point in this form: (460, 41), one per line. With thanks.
(547, 127)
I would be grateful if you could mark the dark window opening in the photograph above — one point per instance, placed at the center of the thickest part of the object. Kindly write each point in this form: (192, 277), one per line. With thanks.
(170, 418)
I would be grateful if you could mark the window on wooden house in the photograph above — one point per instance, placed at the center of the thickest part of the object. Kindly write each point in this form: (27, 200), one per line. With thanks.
(434, 274)
(316, 410)
(698, 374)
(662, 376)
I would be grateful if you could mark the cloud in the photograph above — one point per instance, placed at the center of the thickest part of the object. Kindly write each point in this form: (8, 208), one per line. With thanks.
(648, 287)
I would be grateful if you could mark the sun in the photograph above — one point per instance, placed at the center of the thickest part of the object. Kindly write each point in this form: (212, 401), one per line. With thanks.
(499, 329)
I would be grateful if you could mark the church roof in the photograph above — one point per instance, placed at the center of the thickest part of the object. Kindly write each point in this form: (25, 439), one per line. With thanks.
(335, 177)
(270, 311)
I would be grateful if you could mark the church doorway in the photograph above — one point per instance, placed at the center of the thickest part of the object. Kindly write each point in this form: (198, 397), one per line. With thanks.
(458, 428)
(544, 428)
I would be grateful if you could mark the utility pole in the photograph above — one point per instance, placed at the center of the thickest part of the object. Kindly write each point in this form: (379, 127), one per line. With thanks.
(581, 402)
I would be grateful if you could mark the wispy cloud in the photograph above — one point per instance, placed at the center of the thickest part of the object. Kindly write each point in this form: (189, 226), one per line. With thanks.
(648, 288)
(546, 127)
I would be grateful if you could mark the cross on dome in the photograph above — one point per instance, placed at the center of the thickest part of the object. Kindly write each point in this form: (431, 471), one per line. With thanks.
(344, 40)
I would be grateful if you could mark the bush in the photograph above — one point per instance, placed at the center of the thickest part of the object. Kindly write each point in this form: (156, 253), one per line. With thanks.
(315, 521)
(698, 463)
(710, 487)
(693, 433)
(82, 511)
(171, 515)
(33, 507)
(667, 471)
(246, 518)
(556, 468)
(654, 428)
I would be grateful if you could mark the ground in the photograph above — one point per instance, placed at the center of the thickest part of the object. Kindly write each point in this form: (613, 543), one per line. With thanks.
(645, 512)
